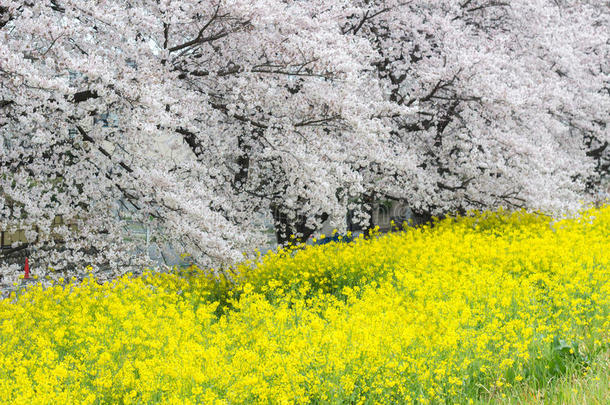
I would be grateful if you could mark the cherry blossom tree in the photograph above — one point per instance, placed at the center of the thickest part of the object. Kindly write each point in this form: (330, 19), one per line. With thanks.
(196, 118)
(215, 112)
(512, 101)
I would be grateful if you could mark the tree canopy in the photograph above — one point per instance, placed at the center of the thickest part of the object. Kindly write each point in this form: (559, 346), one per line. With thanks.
(198, 117)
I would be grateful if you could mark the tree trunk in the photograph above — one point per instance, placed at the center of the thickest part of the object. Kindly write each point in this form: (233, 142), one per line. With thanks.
(286, 227)
(369, 200)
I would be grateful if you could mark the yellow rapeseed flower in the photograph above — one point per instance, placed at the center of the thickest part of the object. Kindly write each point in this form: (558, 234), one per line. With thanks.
(436, 314)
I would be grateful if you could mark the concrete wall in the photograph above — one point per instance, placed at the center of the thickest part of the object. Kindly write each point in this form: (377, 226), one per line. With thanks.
(8, 238)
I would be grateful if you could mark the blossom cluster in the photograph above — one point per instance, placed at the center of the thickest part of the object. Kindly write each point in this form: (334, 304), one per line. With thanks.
(453, 311)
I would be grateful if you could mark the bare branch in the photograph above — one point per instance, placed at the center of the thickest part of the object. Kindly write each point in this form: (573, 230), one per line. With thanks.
(199, 39)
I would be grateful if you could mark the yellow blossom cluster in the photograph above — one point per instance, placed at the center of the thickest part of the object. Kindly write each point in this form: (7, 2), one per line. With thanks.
(441, 313)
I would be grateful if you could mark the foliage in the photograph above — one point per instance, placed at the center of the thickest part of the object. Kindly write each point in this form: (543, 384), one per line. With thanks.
(576, 387)
(471, 307)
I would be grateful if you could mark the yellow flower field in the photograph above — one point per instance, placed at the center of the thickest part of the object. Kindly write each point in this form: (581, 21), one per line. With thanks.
(449, 313)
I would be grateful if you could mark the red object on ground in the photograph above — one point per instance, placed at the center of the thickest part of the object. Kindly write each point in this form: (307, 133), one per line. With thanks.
(27, 268)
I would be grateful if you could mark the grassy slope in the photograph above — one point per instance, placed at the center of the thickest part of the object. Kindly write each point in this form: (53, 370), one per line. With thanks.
(577, 387)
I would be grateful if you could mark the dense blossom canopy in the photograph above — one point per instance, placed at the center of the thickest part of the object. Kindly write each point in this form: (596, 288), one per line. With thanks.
(512, 100)
(198, 117)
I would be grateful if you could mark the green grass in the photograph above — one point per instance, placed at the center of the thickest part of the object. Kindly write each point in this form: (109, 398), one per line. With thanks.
(576, 387)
